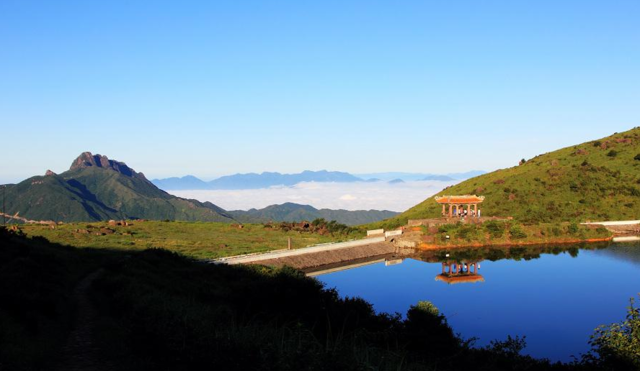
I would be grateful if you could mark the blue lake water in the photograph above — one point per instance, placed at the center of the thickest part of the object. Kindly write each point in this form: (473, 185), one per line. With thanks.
(555, 297)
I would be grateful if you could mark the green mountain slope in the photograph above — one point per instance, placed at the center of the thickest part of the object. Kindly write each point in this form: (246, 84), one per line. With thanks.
(96, 188)
(597, 180)
(291, 212)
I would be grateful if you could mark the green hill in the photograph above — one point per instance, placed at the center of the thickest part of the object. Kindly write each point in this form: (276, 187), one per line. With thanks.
(96, 188)
(291, 212)
(597, 180)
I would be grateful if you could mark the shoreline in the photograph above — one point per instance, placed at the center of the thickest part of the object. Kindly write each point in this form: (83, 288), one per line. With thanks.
(430, 247)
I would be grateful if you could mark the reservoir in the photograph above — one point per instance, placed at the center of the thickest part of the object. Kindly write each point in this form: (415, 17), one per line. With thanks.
(554, 296)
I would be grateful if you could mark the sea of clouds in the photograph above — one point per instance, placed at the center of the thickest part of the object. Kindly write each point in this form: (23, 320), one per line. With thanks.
(348, 196)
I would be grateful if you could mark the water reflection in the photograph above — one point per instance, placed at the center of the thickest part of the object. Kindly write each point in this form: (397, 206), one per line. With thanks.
(554, 295)
(460, 272)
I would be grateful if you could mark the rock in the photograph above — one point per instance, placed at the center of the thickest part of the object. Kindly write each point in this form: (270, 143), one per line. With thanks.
(112, 223)
(49, 173)
(87, 159)
(405, 243)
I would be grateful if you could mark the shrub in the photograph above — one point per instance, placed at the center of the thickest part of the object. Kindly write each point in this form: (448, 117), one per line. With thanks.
(618, 345)
(447, 228)
(495, 229)
(612, 153)
(573, 228)
(467, 232)
(597, 143)
(517, 233)
(637, 158)
(574, 187)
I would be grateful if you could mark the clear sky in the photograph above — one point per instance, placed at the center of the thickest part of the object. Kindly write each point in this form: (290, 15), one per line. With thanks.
(218, 87)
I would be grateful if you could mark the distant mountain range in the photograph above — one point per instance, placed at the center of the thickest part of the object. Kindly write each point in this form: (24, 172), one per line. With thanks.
(96, 188)
(291, 212)
(408, 177)
(254, 181)
(268, 179)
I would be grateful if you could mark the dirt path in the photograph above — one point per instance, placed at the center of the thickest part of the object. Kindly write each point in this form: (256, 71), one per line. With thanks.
(81, 352)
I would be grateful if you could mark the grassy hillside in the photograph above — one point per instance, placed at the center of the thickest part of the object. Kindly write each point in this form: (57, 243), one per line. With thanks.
(597, 180)
(194, 239)
(156, 310)
(89, 192)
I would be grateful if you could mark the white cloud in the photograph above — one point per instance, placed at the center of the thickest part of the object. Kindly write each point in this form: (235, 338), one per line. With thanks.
(349, 196)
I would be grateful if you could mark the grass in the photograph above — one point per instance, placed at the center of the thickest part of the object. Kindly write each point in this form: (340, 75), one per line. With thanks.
(509, 233)
(597, 180)
(202, 240)
(159, 310)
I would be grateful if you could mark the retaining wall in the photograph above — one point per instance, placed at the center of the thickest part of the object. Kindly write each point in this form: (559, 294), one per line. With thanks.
(306, 250)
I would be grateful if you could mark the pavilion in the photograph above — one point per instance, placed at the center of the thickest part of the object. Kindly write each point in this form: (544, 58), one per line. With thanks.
(460, 272)
(457, 204)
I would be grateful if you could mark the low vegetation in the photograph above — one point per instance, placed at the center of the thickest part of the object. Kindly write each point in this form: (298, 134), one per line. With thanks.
(160, 310)
(194, 239)
(499, 232)
(618, 345)
(597, 180)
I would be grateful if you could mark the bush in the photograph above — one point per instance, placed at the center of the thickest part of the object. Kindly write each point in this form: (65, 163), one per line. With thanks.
(618, 345)
(495, 229)
(612, 153)
(447, 228)
(467, 232)
(597, 143)
(517, 233)
(637, 158)
(573, 228)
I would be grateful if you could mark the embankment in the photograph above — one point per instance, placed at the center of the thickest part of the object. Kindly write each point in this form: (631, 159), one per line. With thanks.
(321, 258)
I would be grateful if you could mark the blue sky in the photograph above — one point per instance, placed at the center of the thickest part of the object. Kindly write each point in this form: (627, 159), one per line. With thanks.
(212, 87)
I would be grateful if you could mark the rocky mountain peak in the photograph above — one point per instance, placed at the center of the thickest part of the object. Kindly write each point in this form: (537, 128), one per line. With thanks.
(87, 159)
(49, 173)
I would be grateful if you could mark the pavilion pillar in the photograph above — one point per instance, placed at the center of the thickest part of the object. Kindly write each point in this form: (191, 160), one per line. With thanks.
(469, 209)
(450, 210)
(444, 212)
(475, 210)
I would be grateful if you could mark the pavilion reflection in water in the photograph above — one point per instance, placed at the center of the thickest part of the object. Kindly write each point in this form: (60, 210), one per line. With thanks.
(460, 272)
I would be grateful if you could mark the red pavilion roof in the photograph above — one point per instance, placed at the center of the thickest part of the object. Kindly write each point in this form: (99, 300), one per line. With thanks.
(466, 199)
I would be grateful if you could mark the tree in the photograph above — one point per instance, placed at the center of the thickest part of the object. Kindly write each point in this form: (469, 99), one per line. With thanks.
(618, 345)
